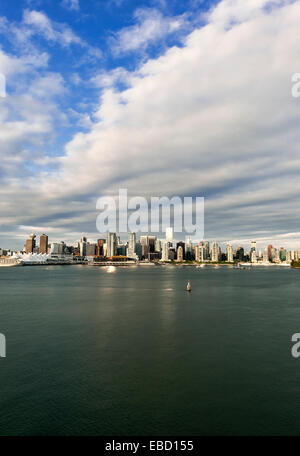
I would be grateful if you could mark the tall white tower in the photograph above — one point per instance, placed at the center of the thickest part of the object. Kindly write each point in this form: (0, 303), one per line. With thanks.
(169, 234)
(229, 253)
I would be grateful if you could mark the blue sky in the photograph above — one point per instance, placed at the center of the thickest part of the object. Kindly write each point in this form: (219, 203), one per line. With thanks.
(97, 28)
(162, 98)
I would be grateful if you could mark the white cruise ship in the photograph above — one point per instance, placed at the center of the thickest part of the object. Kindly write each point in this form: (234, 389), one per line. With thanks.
(9, 262)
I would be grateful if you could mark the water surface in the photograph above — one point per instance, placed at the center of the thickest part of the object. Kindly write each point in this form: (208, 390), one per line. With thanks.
(132, 353)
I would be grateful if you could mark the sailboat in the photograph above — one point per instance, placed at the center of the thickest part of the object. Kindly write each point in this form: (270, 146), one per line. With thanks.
(188, 287)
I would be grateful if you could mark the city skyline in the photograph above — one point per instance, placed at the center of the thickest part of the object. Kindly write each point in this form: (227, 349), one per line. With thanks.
(152, 248)
(245, 243)
(134, 94)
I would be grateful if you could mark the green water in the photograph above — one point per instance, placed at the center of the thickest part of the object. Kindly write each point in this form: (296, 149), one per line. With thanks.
(132, 353)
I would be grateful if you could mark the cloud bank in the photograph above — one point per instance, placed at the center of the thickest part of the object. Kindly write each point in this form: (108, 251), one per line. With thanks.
(212, 117)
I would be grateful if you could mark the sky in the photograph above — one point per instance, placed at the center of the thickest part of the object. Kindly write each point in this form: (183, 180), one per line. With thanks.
(163, 98)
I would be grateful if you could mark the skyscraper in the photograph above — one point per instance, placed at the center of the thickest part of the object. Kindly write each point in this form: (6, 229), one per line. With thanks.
(229, 253)
(169, 234)
(180, 253)
(165, 251)
(43, 243)
(145, 246)
(100, 247)
(111, 244)
(30, 244)
(151, 243)
(82, 246)
(214, 252)
(131, 251)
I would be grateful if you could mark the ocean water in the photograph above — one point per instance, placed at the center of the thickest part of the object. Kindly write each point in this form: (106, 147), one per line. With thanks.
(130, 352)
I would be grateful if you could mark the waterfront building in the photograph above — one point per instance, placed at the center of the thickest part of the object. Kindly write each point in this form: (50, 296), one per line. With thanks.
(82, 246)
(265, 256)
(131, 251)
(229, 253)
(270, 252)
(145, 246)
(206, 250)
(214, 252)
(202, 253)
(121, 250)
(180, 253)
(240, 254)
(111, 244)
(30, 244)
(100, 247)
(43, 244)
(181, 244)
(189, 250)
(253, 256)
(169, 234)
(62, 248)
(90, 249)
(273, 253)
(165, 251)
(138, 249)
(158, 246)
(54, 248)
(282, 254)
(199, 252)
(151, 243)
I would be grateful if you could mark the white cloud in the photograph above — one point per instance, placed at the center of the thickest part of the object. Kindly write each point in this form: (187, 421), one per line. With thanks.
(150, 27)
(71, 4)
(214, 117)
(40, 23)
(36, 24)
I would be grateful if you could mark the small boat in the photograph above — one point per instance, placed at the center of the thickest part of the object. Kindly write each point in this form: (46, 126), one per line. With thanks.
(188, 287)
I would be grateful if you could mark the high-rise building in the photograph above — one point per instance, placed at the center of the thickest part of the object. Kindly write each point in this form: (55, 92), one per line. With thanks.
(165, 251)
(30, 244)
(158, 246)
(265, 256)
(229, 253)
(180, 253)
(276, 256)
(100, 247)
(169, 234)
(151, 243)
(214, 252)
(253, 256)
(270, 252)
(240, 253)
(131, 251)
(54, 248)
(43, 243)
(206, 250)
(90, 249)
(145, 246)
(62, 248)
(82, 246)
(282, 254)
(189, 250)
(181, 244)
(111, 244)
(138, 249)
